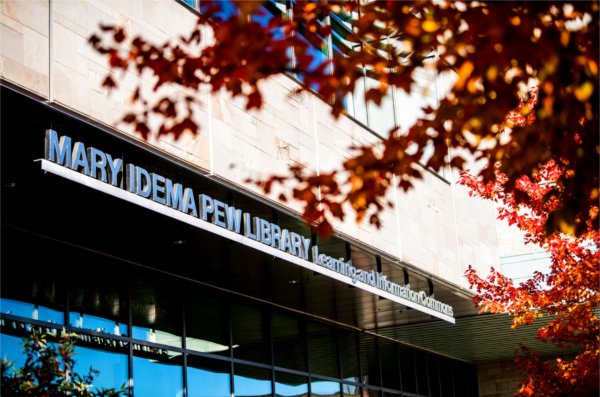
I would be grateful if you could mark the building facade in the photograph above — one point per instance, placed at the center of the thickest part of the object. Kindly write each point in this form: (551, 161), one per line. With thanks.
(183, 279)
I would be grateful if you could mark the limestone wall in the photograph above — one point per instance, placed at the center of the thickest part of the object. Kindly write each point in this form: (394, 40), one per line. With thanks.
(497, 379)
(44, 49)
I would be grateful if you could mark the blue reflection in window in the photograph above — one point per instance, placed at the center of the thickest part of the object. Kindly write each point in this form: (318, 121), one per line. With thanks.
(152, 378)
(99, 324)
(282, 389)
(112, 367)
(203, 383)
(29, 310)
(325, 388)
(11, 348)
(319, 56)
(226, 9)
(265, 15)
(318, 53)
(141, 333)
(251, 387)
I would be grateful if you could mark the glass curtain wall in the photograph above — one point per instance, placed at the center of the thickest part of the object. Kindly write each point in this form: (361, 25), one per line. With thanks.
(380, 119)
(162, 336)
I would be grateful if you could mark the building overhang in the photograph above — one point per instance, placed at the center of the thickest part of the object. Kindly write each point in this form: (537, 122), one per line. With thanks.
(58, 205)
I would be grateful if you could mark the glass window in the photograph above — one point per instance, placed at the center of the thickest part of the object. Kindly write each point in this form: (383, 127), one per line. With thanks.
(207, 328)
(324, 388)
(446, 383)
(191, 3)
(349, 355)
(407, 369)
(289, 385)
(112, 367)
(317, 49)
(207, 377)
(251, 381)
(322, 350)
(12, 350)
(381, 118)
(264, 16)
(351, 390)
(289, 347)
(157, 374)
(99, 304)
(340, 35)
(156, 311)
(421, 371)
(30, 283)
(266, 13)
(390, 372)
(359, 104)
(434, 376)
(248, 331)
(465, 379)
(31, 310)
(369, 360)
(226, 9)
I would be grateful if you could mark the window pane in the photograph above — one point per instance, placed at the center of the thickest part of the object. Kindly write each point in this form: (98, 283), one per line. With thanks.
(191, 3)
(322, 350)
(99, 304)
(340, 35)
(31, 285)
(317, 49)
(434, 376)
(112, 367)
(407, 370)
(12, 347)
(421, 370)
(381, 118)
(266, 13)
(447, 387)
(369, 360)
(206, 324)
(352, 390)
(207, 377)
(251, 381)
(156, 312)
(158, 375)
(390, 373)
(30, 310)
(226, 9)
(349, 356)
(290, 385)
(249, 339)
(289, 348)
(360, 106)
(324, 388)
(463, 374)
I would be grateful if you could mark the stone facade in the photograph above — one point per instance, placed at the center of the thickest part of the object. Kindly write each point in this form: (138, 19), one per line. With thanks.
(435, 227)
(498, 379)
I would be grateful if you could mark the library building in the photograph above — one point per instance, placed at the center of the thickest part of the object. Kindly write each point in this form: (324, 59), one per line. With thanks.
(181, 279)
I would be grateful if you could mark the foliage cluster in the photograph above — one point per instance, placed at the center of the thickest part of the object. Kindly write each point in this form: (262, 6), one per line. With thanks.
(498, 50)
(49, 371)
(568, 295)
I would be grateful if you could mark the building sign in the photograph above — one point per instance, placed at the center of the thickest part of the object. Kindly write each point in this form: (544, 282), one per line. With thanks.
(101, 171)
